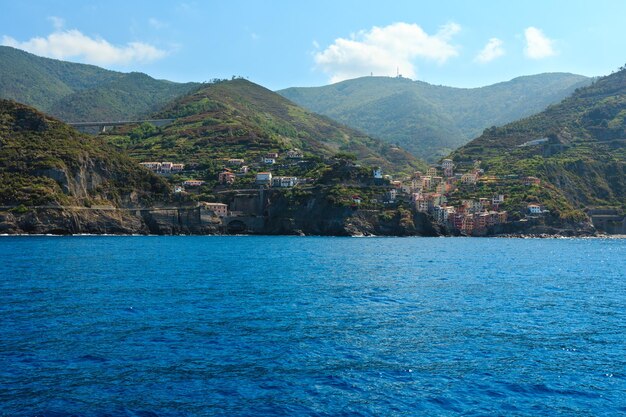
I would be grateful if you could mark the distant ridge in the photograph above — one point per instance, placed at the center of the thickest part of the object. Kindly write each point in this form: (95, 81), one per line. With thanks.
(79, 92)
(430, 120)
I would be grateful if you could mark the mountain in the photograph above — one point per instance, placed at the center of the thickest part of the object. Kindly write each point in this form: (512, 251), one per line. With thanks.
(78, 92)
(430, 120)
(577, 148)
(44, 162)
(240, 119)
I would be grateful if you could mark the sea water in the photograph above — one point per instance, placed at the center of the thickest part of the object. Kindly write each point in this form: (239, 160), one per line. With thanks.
(239, 326)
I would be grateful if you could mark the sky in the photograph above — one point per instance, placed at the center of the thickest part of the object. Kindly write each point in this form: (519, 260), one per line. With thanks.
(281, 44)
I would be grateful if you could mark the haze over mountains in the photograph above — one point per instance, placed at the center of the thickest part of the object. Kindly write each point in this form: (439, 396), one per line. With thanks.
(429, 120)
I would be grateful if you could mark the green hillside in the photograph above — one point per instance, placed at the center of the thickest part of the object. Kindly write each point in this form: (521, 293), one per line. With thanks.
(239, 119)
(77, 92)
(430, 120)
(45, 162)
(579, 153)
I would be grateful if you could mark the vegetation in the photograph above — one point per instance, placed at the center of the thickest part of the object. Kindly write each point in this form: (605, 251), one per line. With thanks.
(45, 162)
(239, 119)
(581, 154)
(78, 92)
(428, 120)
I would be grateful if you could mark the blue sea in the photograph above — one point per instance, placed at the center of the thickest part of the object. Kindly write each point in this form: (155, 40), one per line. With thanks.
(312, 326)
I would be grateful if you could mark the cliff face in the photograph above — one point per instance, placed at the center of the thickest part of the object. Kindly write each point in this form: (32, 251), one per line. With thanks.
(69, 221)
(315, 215)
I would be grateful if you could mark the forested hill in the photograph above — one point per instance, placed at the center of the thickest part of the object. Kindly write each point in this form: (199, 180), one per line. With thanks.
(430, 120)
(78, 92)
(240, 119)
(577, 146)
(44, 162)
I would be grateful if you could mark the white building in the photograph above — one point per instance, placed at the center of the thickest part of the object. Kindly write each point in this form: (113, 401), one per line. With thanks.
(284, 181)
(264, 178)
(497, 199)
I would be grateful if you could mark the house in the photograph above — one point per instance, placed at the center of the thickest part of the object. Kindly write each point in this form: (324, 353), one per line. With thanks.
(396, 184)
(469, 178)
(457, 220)
(193, 183)
(178, 189)
(264, 178)
(423, 203)
(166, 167)
(269, 161)
(295, 154)
(497, 199)
(426, 182)
(152, 166)
(219, 209)
(272, 155)
(235, 162)
(481, 221)
(178, 167)
(468, 224)
(284, 181)
(443, 213)
(448, 167)
(244, 169)
(390, 196)
(356, 199)
(432, 172)
(378, 173)
(226, 177)
(534, 209)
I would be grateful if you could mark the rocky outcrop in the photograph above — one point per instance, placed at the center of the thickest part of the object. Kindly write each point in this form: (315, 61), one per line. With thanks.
(66, 221)
(315, 215)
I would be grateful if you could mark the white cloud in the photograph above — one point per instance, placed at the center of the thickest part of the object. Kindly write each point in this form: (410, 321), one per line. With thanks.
(73, 44)
(538, 45)
(381, 50)
(492, 50)
(57, 22)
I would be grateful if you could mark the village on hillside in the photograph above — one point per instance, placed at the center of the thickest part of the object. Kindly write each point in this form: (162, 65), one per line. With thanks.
(438, 192)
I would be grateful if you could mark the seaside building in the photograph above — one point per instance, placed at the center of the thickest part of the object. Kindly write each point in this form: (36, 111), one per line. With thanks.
(219, 209)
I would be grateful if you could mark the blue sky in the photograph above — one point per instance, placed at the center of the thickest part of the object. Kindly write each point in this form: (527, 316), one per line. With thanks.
(281, 44)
